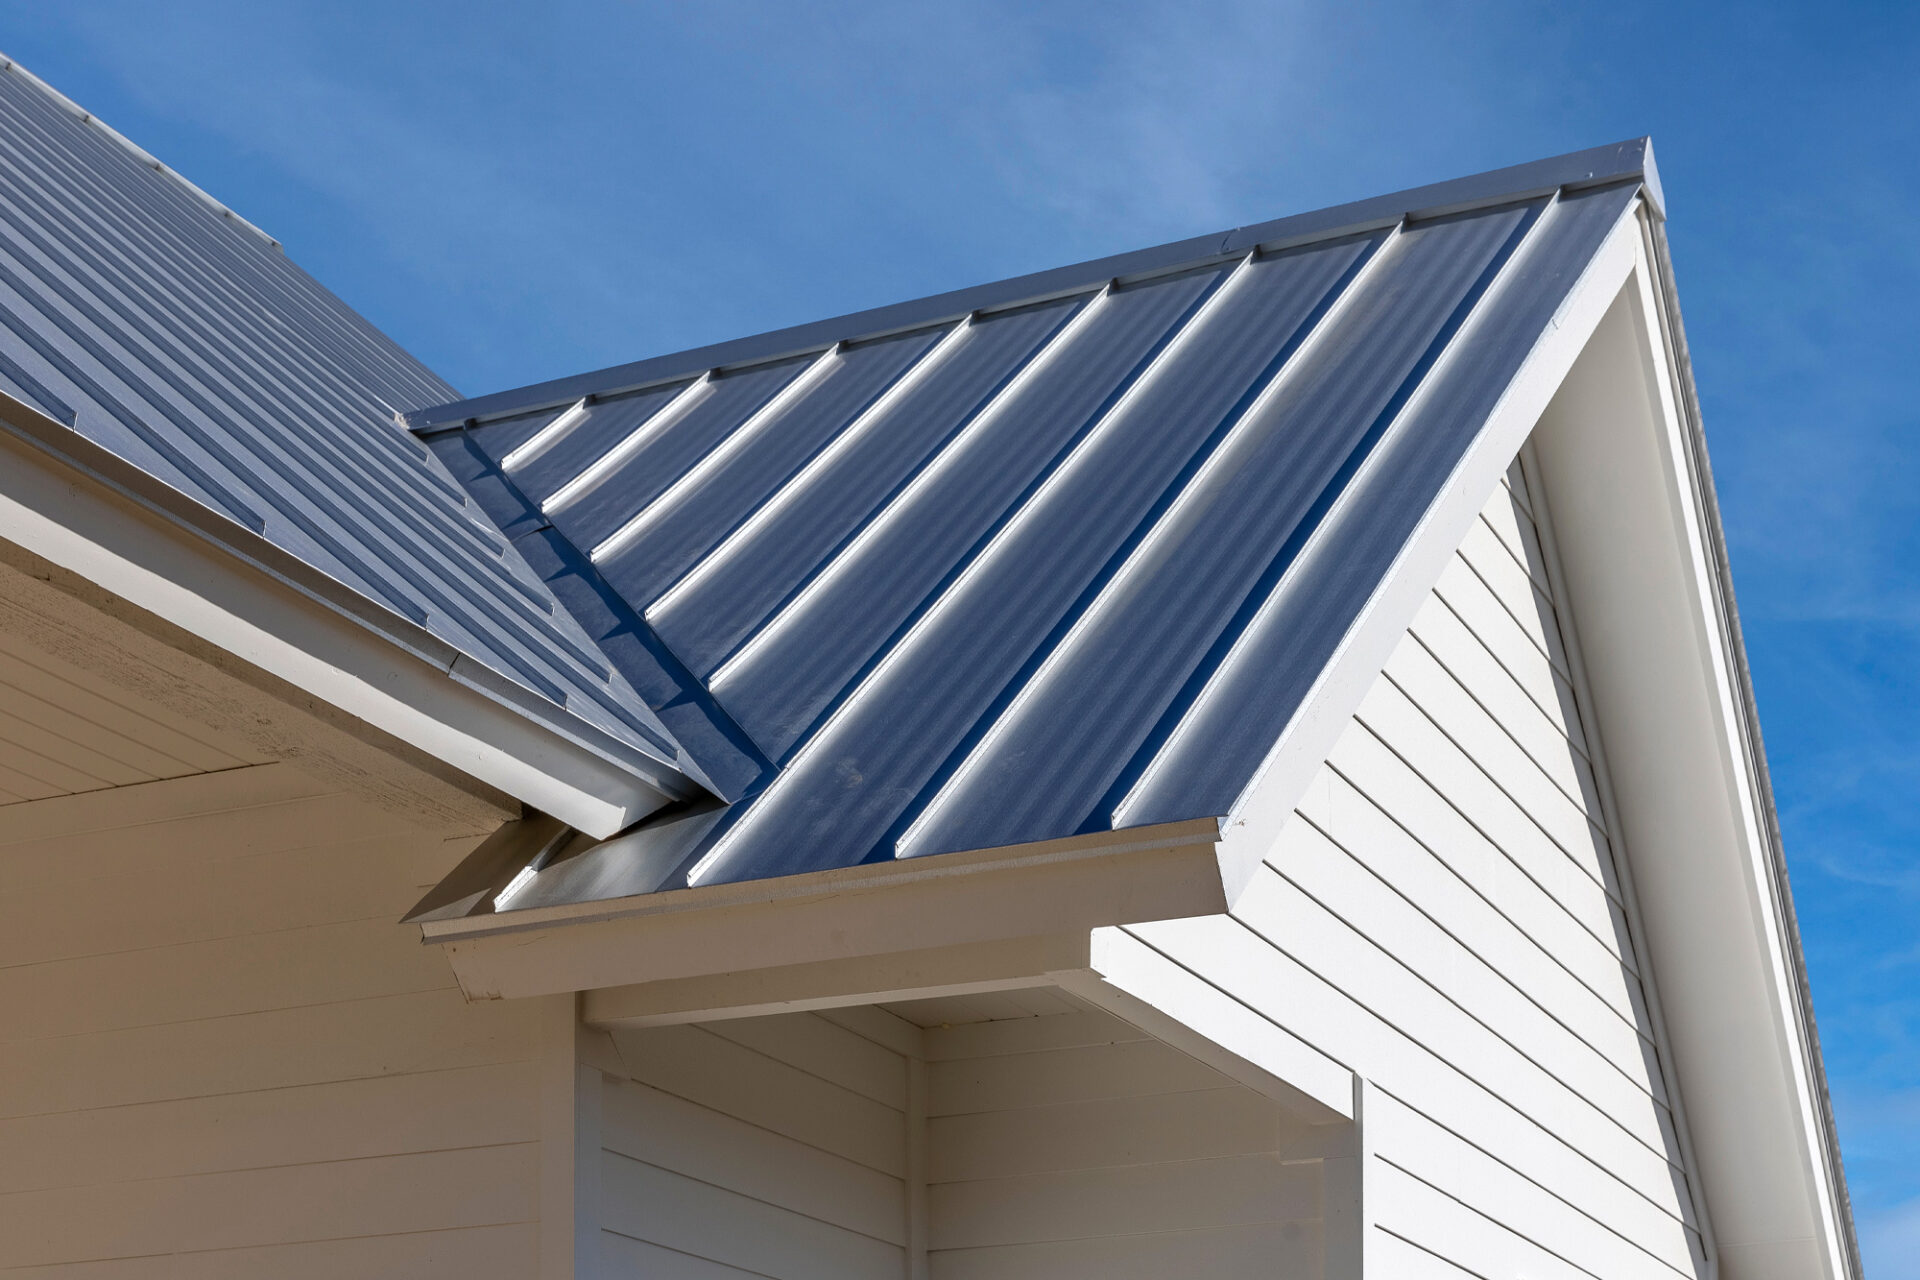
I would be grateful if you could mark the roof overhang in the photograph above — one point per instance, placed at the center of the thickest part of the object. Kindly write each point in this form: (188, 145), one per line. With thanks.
(1606, 400)
(247, 637)
(877, 909)
(1048, 913)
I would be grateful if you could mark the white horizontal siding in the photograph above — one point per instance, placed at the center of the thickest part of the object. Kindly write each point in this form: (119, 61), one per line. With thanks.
(1444, 917)
(768, 1146)
(1063, 1143)
(220, 1056)
(1073, 1145)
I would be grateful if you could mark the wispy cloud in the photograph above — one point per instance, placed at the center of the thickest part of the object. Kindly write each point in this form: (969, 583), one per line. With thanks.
(523, 191)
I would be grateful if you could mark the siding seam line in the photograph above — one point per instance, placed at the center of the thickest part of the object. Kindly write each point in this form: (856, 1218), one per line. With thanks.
(743, 1195)
(1413, 1039)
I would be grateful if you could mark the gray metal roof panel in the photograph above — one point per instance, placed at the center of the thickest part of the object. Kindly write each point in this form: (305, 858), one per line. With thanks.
(736, 590)
(583, 436)
(1206, 548)
(179, 339)
(1279, 649)
(673, 533)
(1078, 564)
(810, 656)
(665, 447)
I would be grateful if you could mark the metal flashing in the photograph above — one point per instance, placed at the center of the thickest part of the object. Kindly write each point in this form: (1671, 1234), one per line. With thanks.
(1595, 166)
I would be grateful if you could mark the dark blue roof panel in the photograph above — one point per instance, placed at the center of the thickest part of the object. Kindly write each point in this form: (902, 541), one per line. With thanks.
(157, 325)
(1058, 563)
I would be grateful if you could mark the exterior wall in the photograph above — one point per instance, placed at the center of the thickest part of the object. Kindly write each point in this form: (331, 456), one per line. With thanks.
(1444, 917)
(765, 1146)
(1074, 1146)
(853, 1143)
(220, 1056)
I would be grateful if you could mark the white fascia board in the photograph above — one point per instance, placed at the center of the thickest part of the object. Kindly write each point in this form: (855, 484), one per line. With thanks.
(90, 520)
(1268, 801)
(867, 912)
(1630, 499)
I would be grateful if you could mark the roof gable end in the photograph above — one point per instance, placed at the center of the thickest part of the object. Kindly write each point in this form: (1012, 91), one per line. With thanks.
(1047, 558)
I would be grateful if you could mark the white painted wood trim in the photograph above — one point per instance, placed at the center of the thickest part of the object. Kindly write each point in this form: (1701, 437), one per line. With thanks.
(1624, 470)
(1132, 980)
(1171, 837)
(871, 911)
(1269, 799)
(588, 1088)
(918, 1213)
(999, 965)
(1348, 1223)
(1678, 399)
(558, 1072)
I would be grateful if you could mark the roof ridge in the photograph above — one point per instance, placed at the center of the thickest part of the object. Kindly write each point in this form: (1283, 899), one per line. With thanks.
(145, 157)
(1575, 170)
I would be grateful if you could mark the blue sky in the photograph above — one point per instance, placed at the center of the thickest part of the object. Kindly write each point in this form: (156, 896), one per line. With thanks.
(518, 192)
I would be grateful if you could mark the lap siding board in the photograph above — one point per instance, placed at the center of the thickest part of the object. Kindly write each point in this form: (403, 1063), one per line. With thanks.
(1444, 916)
(220, 1056)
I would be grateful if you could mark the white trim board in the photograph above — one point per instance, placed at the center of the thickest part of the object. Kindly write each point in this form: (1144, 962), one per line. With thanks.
(1623, 471)
(851, 914)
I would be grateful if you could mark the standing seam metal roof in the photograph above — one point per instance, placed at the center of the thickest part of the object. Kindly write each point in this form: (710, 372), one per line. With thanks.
(155, 324)
(1063, 558)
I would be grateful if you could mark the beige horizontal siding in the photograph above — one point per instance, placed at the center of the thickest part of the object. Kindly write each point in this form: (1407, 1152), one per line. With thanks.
(220, 1055)
(62, 732)
(1072, 1145)
(469, 1253)
(771, 1146)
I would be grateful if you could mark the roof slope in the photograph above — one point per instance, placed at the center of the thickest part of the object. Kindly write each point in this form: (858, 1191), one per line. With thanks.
(1053, 556)
(162, 328)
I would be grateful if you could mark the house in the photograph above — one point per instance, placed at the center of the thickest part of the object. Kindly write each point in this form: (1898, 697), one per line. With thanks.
(1235, 759)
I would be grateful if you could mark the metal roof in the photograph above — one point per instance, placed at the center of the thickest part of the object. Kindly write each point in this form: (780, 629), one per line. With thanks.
(1048, 557)
(154, 323)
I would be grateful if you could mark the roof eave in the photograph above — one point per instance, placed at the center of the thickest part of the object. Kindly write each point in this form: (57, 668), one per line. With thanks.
(1166, 871)
(556, 760)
